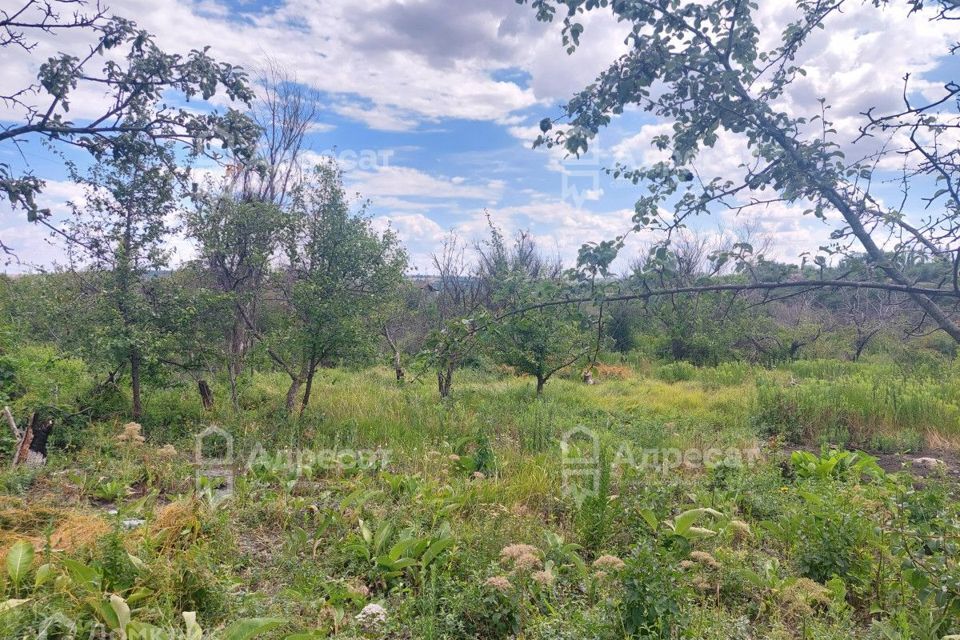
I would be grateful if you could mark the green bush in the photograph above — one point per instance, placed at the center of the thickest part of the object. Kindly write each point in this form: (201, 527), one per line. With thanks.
(676, 372)
(652, 598)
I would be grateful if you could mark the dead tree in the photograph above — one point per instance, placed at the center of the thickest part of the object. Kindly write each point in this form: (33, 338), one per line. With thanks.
(31, 448)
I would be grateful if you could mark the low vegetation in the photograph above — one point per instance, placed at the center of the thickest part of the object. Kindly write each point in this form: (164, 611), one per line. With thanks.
(381, 513)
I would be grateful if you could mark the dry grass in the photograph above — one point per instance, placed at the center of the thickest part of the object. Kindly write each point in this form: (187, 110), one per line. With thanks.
(177, 524)
(71, 529)
(613, 372)
(937, 441)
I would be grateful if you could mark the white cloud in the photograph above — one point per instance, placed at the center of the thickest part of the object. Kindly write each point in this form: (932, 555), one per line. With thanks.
(395, 65)
(395, 181)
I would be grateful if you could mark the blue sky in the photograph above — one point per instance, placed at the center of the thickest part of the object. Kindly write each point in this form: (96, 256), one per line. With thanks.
(432, 105)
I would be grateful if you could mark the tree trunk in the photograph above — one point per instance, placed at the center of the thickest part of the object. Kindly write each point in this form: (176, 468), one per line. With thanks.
(206, 394)
(32, 448)
(445, 381)
(234, 398)
(541, 381)
(293, 392)
(398, 366)
(236, 347)
(135, 384)
(309, 387)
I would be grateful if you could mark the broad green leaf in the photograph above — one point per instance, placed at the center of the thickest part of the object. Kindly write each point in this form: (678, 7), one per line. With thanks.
(82, 575)
(19, 559)
(650, 518)
(435, 549)
(106, 612)
(400, 549)
(250, 628)
(365, 532)
(44, 574)
(122, 611)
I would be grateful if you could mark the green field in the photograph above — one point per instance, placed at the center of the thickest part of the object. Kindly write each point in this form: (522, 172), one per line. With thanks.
(457, 518)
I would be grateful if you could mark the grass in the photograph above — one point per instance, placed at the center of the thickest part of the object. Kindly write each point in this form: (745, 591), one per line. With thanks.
(778, 549)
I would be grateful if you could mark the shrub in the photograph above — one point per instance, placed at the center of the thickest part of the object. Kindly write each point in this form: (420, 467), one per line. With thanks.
(651, 597)
(491, 610)
(676, 372)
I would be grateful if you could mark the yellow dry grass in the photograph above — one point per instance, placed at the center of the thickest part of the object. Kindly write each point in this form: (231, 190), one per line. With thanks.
(613, 372)
(177, 522)
(937, 441)
(72, 529)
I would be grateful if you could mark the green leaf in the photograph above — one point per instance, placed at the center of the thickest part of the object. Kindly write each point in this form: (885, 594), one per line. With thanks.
(82, 575)
(250, 628)
(19, 559)
(650, 518)
(399, 550)
(44, 573)
(434, 550)
(122, 611)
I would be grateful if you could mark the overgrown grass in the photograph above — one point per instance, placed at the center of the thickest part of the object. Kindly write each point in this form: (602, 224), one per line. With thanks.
(812, 548)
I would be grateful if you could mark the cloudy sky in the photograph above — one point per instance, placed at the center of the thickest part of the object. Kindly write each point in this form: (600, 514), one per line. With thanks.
(432, 105)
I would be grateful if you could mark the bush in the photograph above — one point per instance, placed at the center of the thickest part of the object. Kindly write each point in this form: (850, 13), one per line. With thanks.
(676, 372)
(651, 597)
(490, 612)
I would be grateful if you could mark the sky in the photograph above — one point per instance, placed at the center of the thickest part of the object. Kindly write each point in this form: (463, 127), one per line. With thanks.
(431, 107)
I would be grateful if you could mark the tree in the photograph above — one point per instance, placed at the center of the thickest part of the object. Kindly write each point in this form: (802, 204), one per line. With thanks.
(540, 341)
(237, 224)
(139, 78)
(121, 231)
(701, 328)
(699, 66)
(459, 303)
(236, 240)
(338, 272)
(405, 324)
(284, 111)
(869, 313)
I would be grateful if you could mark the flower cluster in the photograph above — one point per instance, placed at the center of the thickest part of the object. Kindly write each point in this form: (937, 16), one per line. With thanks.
(131, 433)
(498, 583)
(372, 616)
(608, 563)
(524, 557)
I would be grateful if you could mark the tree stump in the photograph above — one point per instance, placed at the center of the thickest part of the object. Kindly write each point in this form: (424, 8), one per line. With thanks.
(206, 394)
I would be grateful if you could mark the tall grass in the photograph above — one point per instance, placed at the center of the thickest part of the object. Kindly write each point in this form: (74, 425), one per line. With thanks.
(868, 407)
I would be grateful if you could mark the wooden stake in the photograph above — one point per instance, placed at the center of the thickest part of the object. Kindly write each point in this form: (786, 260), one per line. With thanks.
(13, 424)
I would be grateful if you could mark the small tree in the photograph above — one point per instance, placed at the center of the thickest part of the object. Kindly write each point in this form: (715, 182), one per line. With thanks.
(236, 241)
(542, 341)
(405, 324)
(456, 309)
(120, 234)
(536, 340)
(339, 272)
